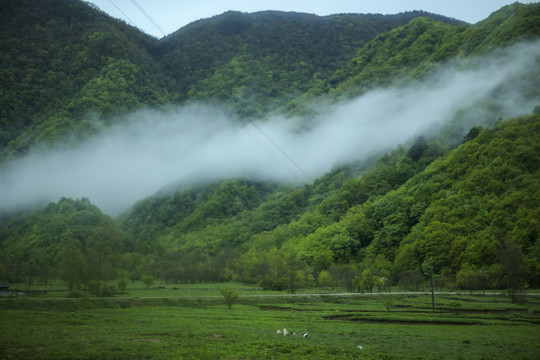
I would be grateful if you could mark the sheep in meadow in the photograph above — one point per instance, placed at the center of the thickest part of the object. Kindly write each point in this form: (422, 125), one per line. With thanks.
(278, 332)
(285, 332)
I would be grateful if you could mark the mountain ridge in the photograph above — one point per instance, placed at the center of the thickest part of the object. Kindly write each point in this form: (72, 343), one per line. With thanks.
(46, 109)
(373, 222)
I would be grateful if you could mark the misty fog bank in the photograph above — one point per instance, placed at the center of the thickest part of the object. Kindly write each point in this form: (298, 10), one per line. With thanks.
(128, 162)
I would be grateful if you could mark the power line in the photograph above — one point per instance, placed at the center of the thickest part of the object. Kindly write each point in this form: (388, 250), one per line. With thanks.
(271, 154)
(148, 17)
(117, 8)
(252, 123)
(283, 152)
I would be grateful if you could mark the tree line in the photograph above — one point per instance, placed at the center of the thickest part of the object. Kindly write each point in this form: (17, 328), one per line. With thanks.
(472, 211)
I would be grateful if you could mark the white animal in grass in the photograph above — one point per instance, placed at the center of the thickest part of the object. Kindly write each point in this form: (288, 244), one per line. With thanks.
(278, 332)
(285, 332)
(305, 335)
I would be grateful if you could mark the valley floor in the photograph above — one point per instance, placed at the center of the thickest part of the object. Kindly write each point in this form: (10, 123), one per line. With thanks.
(401, 326)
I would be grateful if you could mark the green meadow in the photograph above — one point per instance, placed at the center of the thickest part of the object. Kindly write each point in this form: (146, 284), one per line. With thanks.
(193, 322)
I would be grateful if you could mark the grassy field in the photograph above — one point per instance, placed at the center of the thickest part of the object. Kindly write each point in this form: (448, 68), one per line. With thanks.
(196, 324)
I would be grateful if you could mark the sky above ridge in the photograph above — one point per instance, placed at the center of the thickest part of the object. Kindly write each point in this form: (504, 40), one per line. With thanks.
(163, 17)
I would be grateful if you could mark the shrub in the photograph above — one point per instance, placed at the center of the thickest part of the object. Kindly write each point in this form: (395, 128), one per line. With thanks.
(147, 281)
(122, 285)
(455, 306)
(388, 303)
(230, 296)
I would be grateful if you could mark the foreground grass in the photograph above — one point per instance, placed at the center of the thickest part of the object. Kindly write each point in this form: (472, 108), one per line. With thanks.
(203, 328)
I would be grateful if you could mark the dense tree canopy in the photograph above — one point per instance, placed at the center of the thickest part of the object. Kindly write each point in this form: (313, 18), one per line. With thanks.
(464, 199)
(410, 50)
(63, 62)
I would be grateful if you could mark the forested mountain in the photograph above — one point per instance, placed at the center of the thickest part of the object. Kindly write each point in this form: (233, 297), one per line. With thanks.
(68, 68)
(463, 196)
(60, 60)
(259, 61)
(408, 51)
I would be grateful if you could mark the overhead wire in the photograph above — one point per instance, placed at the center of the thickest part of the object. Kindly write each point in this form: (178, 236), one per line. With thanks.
(271, 154)
(295, 164)
(283, 153)
(127, 17)
(134, 2)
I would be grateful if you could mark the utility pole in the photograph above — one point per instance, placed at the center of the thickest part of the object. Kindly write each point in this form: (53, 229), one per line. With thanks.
(429, 265)
(432, 290)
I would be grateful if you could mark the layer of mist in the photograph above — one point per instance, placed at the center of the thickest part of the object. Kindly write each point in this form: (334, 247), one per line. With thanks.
(128, 162)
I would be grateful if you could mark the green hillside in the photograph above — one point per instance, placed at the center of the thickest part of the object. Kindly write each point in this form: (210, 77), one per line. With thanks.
(61, 62)
(67, 69)
(257, 62)
(411, 50)
(464, 198)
